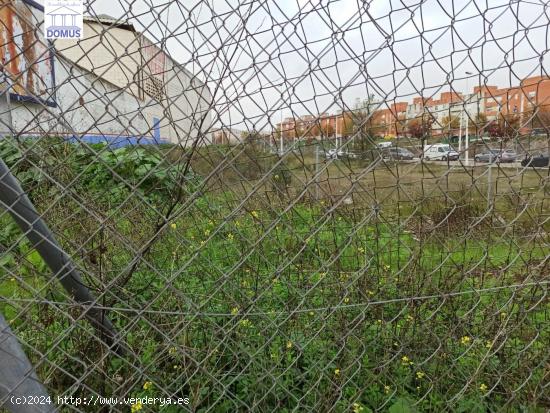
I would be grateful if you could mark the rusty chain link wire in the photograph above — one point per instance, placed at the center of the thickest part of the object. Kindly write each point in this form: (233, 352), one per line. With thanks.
(295, 205)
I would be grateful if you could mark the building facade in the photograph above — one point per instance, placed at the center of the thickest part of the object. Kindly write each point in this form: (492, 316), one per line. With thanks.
(450, 113)
(115, 85)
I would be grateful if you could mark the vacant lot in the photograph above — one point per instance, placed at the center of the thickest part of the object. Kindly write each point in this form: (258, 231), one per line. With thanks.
(286, 285)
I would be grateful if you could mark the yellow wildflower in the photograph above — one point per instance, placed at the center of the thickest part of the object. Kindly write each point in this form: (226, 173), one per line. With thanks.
(172, 350)
(234, 310)
(206, 232)
(255, 214)
(147, 385)
(465, 340)
(136, 407)
(410, 318)
(230, 237)
(311, 313)
(246, 322)
(483, 387)
(289, 344)
(356, 407)
(346, 300)
(361, 250)
(173, 226)
(489, 344)
(387, 389)
(420, 374)
(406, 361)
(336, 372)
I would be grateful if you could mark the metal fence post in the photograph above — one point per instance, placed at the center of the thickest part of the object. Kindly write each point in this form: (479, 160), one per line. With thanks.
(18, 379)
(16, 202)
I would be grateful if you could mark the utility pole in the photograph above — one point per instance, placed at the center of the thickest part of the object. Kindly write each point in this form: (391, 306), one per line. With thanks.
(467, 149)
(316, 173)
(460, 130)
(282, 148)
(336, 134)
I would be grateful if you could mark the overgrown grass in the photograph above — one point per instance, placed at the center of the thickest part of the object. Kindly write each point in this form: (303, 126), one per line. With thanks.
(294, 305)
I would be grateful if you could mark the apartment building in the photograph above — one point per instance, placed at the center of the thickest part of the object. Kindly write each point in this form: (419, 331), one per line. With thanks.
(450, 111)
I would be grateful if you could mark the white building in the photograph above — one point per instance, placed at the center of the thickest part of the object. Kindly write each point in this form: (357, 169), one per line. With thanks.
(115, 85)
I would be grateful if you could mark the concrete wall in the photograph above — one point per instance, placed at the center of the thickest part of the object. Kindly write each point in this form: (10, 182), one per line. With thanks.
(169, 98)
(110, 52)
(95, 110)
(100, 95)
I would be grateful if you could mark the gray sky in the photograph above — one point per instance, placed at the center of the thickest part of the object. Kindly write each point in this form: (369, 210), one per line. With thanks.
(324, 54)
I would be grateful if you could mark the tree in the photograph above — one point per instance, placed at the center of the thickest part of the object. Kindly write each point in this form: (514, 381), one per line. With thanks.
(349, 126)
(450, 124)
(251, 135)
(540, 118)
(505, 127)
(511, 124)
(421, 128)
(494, 129)
(480, 124)
(362, 123)
(400, 125)
(313, 131)
(327, 130)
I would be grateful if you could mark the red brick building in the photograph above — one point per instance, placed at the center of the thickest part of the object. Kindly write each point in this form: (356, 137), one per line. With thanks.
(532, 94)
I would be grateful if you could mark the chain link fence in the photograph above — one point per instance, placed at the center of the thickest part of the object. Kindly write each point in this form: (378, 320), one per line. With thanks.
(221, 206)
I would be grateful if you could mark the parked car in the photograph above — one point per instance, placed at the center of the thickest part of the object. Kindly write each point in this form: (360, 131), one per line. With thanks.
(334, 154)
(540, 160)
(351, 155)
(440, 152)
(496, 155)
(490, 155)
(508, 155)
(400, 154)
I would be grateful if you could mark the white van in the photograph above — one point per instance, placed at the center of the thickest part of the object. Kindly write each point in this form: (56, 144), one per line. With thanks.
(440, 152)
(385, 144)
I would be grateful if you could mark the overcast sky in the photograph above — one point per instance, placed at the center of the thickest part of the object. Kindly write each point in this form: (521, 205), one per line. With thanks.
(323, 55)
